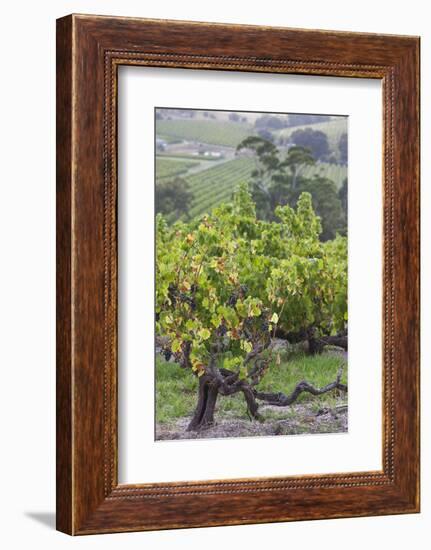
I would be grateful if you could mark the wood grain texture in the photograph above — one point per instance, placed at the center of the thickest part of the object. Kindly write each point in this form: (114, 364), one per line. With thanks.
(64, 495)
(90, 49)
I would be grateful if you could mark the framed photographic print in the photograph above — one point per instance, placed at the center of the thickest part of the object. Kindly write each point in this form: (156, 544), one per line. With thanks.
(237, 274)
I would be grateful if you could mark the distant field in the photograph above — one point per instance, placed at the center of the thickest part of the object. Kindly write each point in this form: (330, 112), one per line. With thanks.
(187, 156)
(335, 172)
(168, 139)
(332, 128)
(170, 168)
(216, 185)
(215, 132)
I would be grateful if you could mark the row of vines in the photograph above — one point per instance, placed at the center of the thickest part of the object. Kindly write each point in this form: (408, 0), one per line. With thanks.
(228, 282)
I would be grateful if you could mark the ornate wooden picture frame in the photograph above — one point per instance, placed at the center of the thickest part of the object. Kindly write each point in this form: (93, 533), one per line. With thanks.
(89, 51)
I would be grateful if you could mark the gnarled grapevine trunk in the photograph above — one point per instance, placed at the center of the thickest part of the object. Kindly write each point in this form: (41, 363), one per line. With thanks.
(315, 344)
(227, 383)
(203, 416)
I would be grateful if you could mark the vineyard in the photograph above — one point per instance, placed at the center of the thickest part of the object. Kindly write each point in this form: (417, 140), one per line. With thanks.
(167, 168)
(226, 285)
(335, 172)
(169, 139)
(251, 279)
(214, 132)
(215, 185)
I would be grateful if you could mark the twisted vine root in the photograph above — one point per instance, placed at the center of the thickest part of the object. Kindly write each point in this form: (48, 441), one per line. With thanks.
(227, 383)
(282, 400)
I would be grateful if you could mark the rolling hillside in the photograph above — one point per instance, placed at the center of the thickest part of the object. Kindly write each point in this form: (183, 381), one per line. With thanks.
(214, 132)
(170, 168)
(332, 128)
(215, 185)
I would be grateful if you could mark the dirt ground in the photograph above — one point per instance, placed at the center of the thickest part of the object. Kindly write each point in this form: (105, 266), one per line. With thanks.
(300, 419)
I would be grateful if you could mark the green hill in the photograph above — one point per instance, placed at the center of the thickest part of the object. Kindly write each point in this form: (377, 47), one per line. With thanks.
(215, 132)
(332, 128)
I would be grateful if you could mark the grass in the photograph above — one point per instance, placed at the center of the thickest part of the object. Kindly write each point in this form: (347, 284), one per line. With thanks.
(176, 388)
(176, 391)
(214, 132)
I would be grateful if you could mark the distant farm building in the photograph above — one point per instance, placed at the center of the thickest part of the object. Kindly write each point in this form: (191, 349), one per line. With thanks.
(161, 144)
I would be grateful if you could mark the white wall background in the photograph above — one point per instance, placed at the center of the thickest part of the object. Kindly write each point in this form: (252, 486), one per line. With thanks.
(27, 279)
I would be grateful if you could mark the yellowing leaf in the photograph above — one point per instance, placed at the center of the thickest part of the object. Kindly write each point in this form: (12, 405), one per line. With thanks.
(216, 320)
(231, 246)
(233, 278)
(186, 285)
(256, 311)
(204, 334)
(241, 309)
(274, 318)
(247, 347)
(176, 346)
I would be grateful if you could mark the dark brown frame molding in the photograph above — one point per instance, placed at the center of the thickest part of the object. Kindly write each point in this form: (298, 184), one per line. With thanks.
(89, 51)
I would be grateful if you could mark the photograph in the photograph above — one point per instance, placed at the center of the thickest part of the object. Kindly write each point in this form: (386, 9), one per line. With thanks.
(251, 273)
(216, 275)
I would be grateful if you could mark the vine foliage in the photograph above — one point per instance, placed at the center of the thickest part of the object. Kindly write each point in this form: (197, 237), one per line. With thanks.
(228, 282)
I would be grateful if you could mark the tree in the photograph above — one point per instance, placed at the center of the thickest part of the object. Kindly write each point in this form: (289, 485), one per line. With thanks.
(315, 140)
(273, 169)
(266, 134)
(234, 117)
(278, 180)
(342, 146)
(343, 196)
(268, 186)
(302, 120)
(270, 122)
(173, 198)
(226, 282)
(296, 160)
(326, 204)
